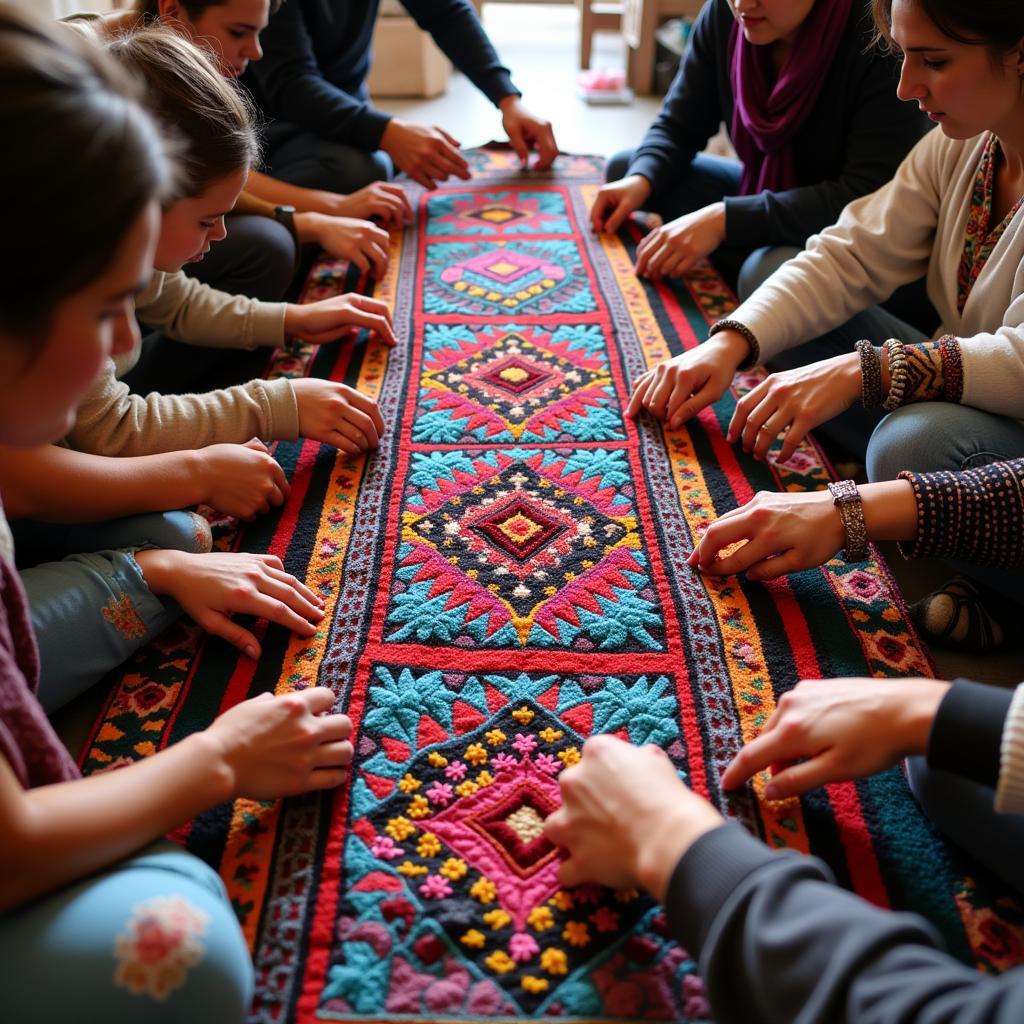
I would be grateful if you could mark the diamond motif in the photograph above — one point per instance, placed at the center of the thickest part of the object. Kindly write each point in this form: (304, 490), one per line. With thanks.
(516, 376)
(496, 214)
(526, 823)
(520, 528)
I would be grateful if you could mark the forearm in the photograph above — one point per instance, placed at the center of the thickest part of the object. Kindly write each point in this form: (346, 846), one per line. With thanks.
(35, 484)
(56, 834)
(272, 192)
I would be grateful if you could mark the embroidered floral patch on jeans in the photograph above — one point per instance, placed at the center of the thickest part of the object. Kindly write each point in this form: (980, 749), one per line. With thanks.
(159, 944)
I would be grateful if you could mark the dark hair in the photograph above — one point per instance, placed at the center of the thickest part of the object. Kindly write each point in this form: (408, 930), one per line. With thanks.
(209, 114)
(193, 8)
(997, 24)
(77, 141)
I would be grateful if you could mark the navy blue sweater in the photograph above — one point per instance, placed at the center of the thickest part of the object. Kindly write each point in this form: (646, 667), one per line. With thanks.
(851, 143)
(316, 56)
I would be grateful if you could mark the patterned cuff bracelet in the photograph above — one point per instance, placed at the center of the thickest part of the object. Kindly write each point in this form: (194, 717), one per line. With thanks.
(734, 325)
(870, 375)
(846, 498)
(898, 374)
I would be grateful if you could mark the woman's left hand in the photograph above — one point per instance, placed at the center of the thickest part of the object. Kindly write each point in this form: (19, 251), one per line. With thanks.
(794, 402)
(672, 249)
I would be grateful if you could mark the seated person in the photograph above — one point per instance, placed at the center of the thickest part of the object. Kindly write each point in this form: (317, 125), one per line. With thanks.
(952, 212)
(811, 109)
(324, 132)
(88, 887)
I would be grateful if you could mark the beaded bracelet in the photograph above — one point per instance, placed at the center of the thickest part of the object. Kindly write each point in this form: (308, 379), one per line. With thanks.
(870, 375)
(898, 374)
(734, 325)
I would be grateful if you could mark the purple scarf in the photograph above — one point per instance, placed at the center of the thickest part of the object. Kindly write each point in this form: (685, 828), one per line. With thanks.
(767, 116)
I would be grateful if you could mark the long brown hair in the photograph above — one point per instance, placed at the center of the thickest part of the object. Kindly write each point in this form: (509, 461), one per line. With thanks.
(82, 161)
(208, 113)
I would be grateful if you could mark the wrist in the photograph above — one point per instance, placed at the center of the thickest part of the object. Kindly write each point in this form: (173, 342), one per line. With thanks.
(158, 568)
(917, 706)
(195, 472)
(509, 102)
(662, 842)
(732, 345)
(292, 319)
(848, 371)
(208, 750)
(308, 227)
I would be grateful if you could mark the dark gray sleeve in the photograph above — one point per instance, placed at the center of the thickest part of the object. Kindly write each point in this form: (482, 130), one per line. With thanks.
(778, 942)
(967, 732)
(881, 131)
(297, 91)
(456, 29)
(690, 113)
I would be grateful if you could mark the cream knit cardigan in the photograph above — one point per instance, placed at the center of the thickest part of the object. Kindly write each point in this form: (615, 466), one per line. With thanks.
(113, 421)
(911, 227)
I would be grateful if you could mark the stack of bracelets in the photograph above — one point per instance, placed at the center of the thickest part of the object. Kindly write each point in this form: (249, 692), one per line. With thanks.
(871, 374)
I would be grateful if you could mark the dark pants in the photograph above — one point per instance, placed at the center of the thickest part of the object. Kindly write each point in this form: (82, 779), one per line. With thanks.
(256, 259)
(302, 158)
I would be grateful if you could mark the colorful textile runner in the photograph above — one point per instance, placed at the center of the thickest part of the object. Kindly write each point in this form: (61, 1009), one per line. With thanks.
(505, 577)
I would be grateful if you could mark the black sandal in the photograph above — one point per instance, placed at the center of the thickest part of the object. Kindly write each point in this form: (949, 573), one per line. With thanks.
(969, 626)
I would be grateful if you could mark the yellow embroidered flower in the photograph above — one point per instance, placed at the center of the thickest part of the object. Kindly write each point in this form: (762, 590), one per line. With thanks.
(453, 869)
(476, 754)
(485, 778)
(483, 890)
(554, 961)
(576, 933)
(411, 870)
(495, 737)
(569, 756)
(419, 807)
(408, 784)
(549, 735)
(496, 919)
(523, 715)
(429, 845)
(399, 828)
(534, 985)
(473, 939)
(437, 760)
(562, 900)
(466, 788)
(540, 918)
(500, 962)
(626, 895)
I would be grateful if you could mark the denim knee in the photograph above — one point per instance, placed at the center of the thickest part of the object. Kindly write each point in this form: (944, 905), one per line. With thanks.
(760, 265)
(180, 531)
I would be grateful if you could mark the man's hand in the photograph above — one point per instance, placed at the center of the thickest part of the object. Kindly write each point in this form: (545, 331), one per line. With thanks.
(617, 200)
(672, 249)
(426, 153)
(360, 242)
(527, 133)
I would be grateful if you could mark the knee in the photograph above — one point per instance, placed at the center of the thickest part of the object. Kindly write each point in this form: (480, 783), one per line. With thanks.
(618, 165)
(760, 265)
(921, 438)
(179, 531)
(275, 258)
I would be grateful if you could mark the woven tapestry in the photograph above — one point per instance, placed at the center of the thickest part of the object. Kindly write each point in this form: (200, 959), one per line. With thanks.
(505, 577)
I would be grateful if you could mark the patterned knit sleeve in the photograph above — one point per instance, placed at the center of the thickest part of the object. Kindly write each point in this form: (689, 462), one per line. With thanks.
(934, 371)
(976, 515)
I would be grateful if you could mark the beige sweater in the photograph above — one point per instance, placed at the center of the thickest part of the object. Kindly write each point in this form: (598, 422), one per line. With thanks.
(113, 421)
(1010, 790)
(911, 227)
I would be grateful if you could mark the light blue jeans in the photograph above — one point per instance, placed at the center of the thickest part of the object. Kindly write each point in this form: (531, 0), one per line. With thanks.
(152, 938)
(92, 611)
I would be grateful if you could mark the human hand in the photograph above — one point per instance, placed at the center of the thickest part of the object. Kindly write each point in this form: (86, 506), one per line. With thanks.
(672, 249)
(280, 746)
(794, 402)
(212, 587)
(617, 200)
(338, 415)
(359, 241)
(385, 201)
(784, 533)
(242, 480)
(331, 319)
(528, 132)
(845, 728)
(426, 153)
(626, 817)
(679, 388)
